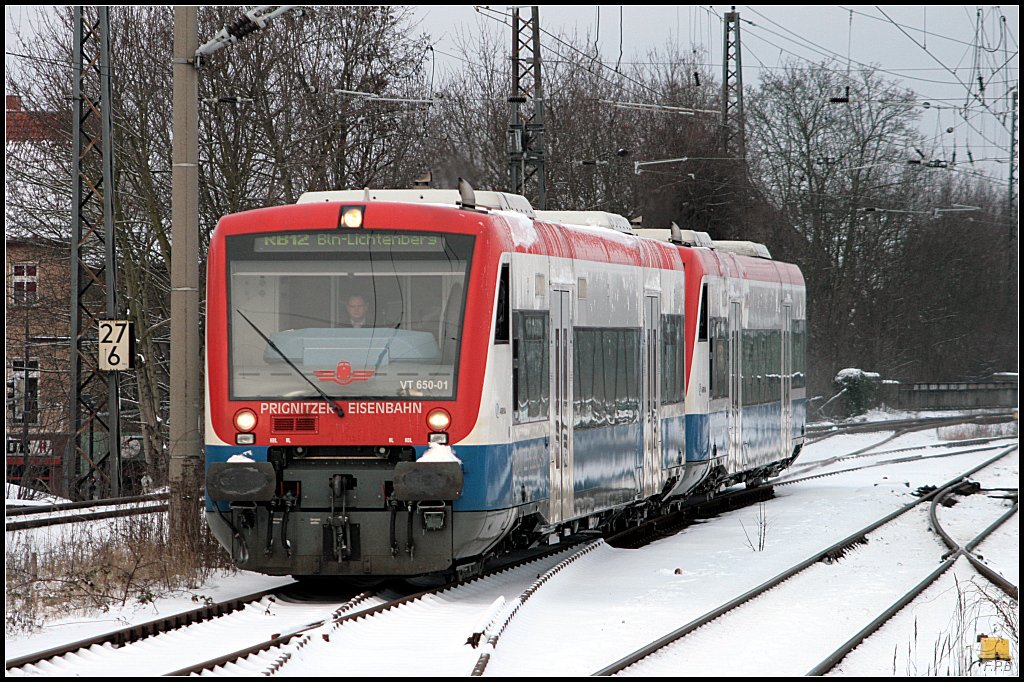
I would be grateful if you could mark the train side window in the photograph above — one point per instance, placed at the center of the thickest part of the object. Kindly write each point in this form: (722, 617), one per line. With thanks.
(799, 342)
(606, 377)
(502, 323)
(702, 320)
(673, 359)
(530, 389)
(719, 360)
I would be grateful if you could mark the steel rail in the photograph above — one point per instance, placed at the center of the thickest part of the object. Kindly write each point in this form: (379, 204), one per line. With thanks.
(834, 551)
(86, 504)
(517, 605)
(906, 426)
(134, 633)
(280, 639)
(956, 551)
(992, 575)
(900, 460)
(79, 518)
(967, 551)
(816, 433)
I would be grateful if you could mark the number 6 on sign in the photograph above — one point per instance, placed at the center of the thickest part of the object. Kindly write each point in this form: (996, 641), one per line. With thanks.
(117, 345)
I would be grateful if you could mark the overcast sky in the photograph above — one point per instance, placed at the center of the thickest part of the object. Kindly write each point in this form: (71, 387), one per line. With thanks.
(937, 50)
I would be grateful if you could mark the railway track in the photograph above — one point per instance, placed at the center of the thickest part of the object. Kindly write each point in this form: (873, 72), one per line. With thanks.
(270, 655)
(290, 623)
(55, 659)
(828, 555)
(819, 432)
(270, 624)
(500, 620)
(42, 516)
(433, 626)
(899, 428)
(884, 463)
(956, 551)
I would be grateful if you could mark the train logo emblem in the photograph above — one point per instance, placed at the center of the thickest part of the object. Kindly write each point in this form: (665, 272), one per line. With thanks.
(343, 374)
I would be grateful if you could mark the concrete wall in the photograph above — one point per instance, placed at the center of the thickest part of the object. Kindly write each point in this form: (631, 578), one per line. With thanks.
(948, 396)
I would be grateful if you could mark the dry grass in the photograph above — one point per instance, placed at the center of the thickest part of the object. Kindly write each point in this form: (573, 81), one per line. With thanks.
(762, 524)
(969, 431)
(88, 568)
(980, 609)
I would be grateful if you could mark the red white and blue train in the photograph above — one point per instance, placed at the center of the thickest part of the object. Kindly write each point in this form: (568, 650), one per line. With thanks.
(406, 382)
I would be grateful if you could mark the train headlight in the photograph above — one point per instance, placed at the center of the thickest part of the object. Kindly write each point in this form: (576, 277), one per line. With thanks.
(439, 420)
(351, 216)
(245, 420)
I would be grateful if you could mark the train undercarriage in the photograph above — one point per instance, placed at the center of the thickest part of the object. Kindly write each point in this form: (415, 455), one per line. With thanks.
(389, 515)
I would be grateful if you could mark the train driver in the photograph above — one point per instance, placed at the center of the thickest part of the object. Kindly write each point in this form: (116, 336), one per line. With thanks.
(356, 308)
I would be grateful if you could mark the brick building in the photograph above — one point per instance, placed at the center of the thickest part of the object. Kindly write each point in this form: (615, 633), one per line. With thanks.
(37, 300)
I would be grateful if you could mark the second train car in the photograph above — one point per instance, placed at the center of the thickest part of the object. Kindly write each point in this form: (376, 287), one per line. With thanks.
(405, 382)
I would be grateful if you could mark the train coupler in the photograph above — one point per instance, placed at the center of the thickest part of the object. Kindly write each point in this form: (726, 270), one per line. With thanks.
(290, 502)
(410, 545)
(340, 526)
(341, 534)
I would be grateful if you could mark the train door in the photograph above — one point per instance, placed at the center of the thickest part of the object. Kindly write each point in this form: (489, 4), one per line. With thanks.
(647, 459)
(561, 498)
(787, 379)
(735, 386)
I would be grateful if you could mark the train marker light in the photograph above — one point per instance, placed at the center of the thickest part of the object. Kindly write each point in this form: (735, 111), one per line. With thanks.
(351, 216)
(245, 420)
(245, 438)
(439, 438)
(439, 420)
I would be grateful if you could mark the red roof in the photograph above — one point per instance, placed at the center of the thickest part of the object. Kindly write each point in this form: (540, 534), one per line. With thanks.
(34, 126)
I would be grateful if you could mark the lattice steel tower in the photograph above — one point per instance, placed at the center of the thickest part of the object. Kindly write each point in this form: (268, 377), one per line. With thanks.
(92, 461)
(733, 137)
(526, 119)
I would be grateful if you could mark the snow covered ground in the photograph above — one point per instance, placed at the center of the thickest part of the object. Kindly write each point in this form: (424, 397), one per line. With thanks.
(613, 601)
(17, 496)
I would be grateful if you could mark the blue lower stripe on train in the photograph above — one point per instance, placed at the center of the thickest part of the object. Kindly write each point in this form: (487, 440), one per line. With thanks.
(503, 475)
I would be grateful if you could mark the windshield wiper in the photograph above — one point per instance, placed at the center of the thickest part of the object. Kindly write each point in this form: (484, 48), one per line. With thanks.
(330, 401)
(384, 351)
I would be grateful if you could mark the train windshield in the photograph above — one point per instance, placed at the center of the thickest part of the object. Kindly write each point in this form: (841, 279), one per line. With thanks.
(358, 313)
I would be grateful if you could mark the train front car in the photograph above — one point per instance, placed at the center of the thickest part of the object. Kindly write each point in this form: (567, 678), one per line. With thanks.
(336, 381)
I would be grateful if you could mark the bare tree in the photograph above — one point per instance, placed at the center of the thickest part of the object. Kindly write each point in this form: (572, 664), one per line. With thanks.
(289, 109)
(826, 166)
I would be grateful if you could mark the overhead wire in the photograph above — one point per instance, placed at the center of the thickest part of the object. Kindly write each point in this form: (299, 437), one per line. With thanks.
(969, 89)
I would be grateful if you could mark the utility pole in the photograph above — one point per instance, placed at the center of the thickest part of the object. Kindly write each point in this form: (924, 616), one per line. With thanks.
(186, 444)
(185, 468)
(1011, 214)
(91, 472)
(1013, 162)
(526, 117)
(733, 134)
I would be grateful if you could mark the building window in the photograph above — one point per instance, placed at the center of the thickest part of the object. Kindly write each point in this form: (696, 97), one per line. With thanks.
(26, 281)
(23, 391)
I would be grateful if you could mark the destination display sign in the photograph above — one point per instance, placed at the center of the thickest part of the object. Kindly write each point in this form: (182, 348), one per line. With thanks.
(328, 242)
